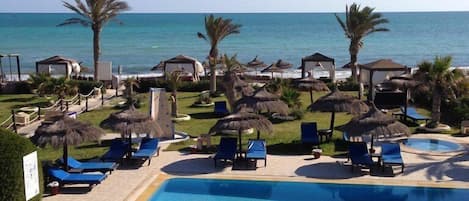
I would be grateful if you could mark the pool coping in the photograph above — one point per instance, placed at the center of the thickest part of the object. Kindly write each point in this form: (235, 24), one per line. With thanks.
(146, 191)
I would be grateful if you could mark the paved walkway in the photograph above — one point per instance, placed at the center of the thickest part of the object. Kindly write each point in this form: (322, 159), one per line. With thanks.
(128, 182)
(93, 103)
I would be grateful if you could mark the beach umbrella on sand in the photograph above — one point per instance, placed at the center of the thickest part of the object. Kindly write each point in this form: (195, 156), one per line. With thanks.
(311, 85)
(260, 101)
(336, 101)
(65, 131)
(273, 68)
(256, 63)
(131, 120)
(375, 123)
(283, 64)
(241, 121)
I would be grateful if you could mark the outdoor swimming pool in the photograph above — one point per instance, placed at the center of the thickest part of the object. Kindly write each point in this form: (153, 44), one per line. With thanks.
(188, 189)
(427, 144)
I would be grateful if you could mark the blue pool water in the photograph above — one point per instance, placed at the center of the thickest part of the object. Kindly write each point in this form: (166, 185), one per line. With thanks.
(185, 189)
(425, 144)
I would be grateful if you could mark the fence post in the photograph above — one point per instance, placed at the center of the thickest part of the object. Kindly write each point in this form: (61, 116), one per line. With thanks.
(61, 105)
(66, 105)
(86, 104)
(39, 113)
(14, 121)
(102, 96)
(79, 99)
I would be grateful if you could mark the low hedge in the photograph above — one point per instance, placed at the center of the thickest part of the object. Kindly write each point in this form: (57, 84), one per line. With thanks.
(12, 149)
(184, 86)
(85, 86)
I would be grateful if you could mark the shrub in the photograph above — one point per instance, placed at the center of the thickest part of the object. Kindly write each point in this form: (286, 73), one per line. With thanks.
(297, 112)
(291, 97)
(22, 87)
(85, 86)
(146, 84)
(456, 111)
(12, 149)
(347, 85)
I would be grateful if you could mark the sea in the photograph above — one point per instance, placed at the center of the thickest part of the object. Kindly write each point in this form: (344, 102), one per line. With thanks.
(141, 41)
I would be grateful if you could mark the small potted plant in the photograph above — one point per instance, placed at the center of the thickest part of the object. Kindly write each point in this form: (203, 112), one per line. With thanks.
(204, 100)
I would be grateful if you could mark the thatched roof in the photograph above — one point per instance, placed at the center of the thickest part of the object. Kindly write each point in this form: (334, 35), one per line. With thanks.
(255, 63)
(133, 120)
(317, 57)
(181, 59)
(272, 69)
(403, 81)
(261, 101)
(376, 123)
(337, 101)
(310, 83)
(283, 64)
(383, 65)
(349, 65)
(65, 130)
(242, 121)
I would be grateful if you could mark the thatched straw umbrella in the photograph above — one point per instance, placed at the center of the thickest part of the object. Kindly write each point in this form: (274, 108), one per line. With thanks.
(241, 121)
(375, 123)
(283, 64)
(337, 101)
(273, 68)
(131, 120)
(65, 131)
(311, 85)
(256, 63)
(262, 100)
(159, 66)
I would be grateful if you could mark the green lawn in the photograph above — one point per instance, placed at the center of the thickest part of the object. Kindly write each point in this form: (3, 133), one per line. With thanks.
(284, 140)
(15, 101)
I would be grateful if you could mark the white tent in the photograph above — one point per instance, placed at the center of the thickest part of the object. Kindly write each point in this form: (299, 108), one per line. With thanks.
(318, 61)
(58, 65)
(184, 63)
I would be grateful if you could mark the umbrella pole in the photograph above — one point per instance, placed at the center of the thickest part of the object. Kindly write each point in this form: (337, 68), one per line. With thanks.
(372, 150)
(332, 122)
(129, 152)
(258, 134)
(311, 95)
(239, 138)
(65, 155)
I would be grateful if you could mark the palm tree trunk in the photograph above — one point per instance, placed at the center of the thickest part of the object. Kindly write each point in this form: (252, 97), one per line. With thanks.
(229, 89)
(436, 105)
(174, 105)
(353, 66)
(213, 79)
(96, 49)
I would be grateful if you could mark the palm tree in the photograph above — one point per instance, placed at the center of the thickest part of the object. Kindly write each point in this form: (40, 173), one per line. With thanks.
(358, 24)
(230, 78)
(129, 84)
(62, 87)
(216, 30)
(174, 80)
(437, 78)
(39, 82)
(95, 13)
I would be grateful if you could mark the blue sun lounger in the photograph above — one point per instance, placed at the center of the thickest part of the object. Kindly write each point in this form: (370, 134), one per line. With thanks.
(75, 178)
(226, 150)
(414, 115)
(359, 155)
(391, 155)
(309, 133)
(90, 166)
(116, 152)
(148, 148)
(257, 150)
(220, 108)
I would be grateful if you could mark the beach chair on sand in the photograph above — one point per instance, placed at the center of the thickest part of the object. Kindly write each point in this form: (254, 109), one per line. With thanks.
(116, 152)
(257, 150)
(391, 155)
(148, 148)
(309, 133)
(358, 152)
(89, 166)
(63, 177)
(220, 108)
(226, 150)
(414, 115)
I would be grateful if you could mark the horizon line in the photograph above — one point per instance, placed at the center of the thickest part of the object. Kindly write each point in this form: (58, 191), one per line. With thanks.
(208, 12)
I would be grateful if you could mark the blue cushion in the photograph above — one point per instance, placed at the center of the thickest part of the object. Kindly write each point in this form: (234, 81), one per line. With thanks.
(391, 153)
(309, 133)
(226, 149)
(73, 163)
(359, 153)
(117, 150)
(143, 153)
(66, 177)
(256, 149)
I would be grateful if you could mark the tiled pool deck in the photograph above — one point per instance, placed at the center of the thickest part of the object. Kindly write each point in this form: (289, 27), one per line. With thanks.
(138, 184)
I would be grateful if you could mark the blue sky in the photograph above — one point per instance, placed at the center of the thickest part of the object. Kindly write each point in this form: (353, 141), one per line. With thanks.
(243, 6)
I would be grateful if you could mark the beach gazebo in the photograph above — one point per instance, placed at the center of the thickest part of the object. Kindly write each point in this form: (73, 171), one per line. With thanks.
(241, 121)
(318, 60)
(58, 65)
(64, 132)
(185, 64)
(377, 71)
(159, 66)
